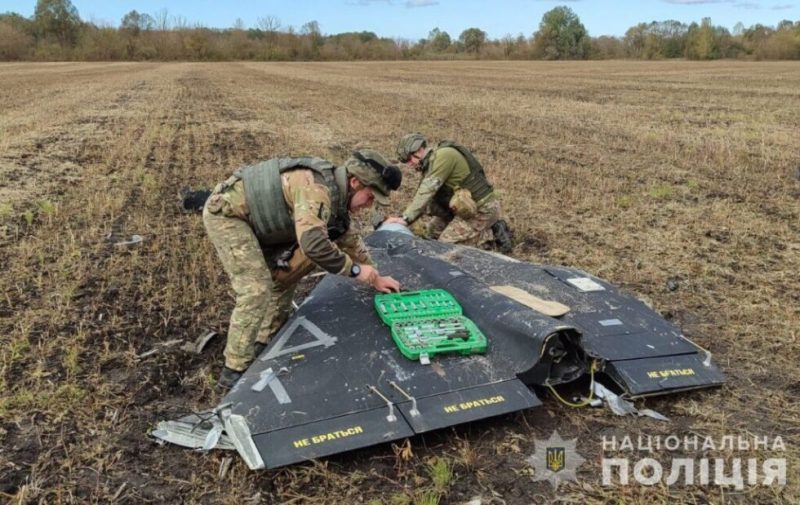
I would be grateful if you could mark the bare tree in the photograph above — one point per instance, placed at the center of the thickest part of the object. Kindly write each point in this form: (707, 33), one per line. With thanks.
(162, 20)
(269, 24)
(180, 22)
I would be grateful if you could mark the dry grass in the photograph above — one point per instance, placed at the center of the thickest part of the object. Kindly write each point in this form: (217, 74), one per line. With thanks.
(642, 173)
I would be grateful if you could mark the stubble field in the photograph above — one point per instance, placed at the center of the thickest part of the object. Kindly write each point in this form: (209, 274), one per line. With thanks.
(678, 181)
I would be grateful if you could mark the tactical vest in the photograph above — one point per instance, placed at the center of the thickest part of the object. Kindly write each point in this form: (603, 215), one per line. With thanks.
(263, 188)
(475, 182)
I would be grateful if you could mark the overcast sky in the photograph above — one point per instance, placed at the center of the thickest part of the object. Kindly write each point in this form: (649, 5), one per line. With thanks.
(413, 19)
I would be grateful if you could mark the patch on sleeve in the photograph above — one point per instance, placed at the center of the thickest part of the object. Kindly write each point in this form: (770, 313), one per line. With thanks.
(431, 183)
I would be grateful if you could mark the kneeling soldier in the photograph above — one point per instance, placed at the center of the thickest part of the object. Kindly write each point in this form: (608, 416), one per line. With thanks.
(275, 221)
(454, 191)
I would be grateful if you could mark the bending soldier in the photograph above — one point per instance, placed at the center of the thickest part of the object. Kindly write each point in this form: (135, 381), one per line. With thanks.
(275, 221)
(454, 191)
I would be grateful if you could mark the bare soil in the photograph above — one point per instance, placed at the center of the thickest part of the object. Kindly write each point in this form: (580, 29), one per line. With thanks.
(678, 181)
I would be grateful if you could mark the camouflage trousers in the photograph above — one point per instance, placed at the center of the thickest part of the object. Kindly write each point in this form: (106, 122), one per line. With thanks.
(263, 295)
(474, 232)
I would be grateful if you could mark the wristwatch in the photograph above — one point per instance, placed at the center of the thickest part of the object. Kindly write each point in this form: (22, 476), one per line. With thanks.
(355, 270)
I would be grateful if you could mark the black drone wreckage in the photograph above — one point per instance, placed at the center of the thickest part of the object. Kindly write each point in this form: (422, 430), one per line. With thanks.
(333, 380)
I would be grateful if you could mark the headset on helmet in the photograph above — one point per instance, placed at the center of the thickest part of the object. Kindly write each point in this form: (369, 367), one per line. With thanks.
(390, 174)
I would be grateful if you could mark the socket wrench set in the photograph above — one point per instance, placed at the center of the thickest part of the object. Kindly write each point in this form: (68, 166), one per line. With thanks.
(429, 322)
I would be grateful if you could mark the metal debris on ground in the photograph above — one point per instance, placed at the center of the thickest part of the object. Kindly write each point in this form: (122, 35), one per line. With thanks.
(200, 343)
(158, 347)
(193, 431)
(622, 407)
(135, 239)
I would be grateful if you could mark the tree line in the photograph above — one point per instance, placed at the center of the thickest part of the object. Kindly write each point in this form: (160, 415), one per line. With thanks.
(56, 32)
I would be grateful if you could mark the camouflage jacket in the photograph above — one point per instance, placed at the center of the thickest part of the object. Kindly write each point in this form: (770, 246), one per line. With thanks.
(310, 206)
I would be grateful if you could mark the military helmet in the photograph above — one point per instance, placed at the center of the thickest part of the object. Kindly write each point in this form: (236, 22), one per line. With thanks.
(410, 143)
(373, 170)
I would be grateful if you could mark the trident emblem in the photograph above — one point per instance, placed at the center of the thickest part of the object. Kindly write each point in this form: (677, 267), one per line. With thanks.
(555, 458)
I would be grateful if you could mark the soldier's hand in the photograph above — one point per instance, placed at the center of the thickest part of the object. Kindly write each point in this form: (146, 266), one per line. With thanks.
(371, 277)
(386, 284)
(395, 220)
(368, 275)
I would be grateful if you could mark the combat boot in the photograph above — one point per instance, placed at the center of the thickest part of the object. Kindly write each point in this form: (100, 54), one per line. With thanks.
(193, 201)
(227, 379)
(502, 236)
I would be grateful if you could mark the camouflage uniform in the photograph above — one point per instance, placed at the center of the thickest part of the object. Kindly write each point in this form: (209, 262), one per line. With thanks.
(445, 166)
(264, 292)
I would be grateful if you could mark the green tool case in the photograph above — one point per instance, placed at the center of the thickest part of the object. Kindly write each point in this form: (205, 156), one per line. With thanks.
(429, 322)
